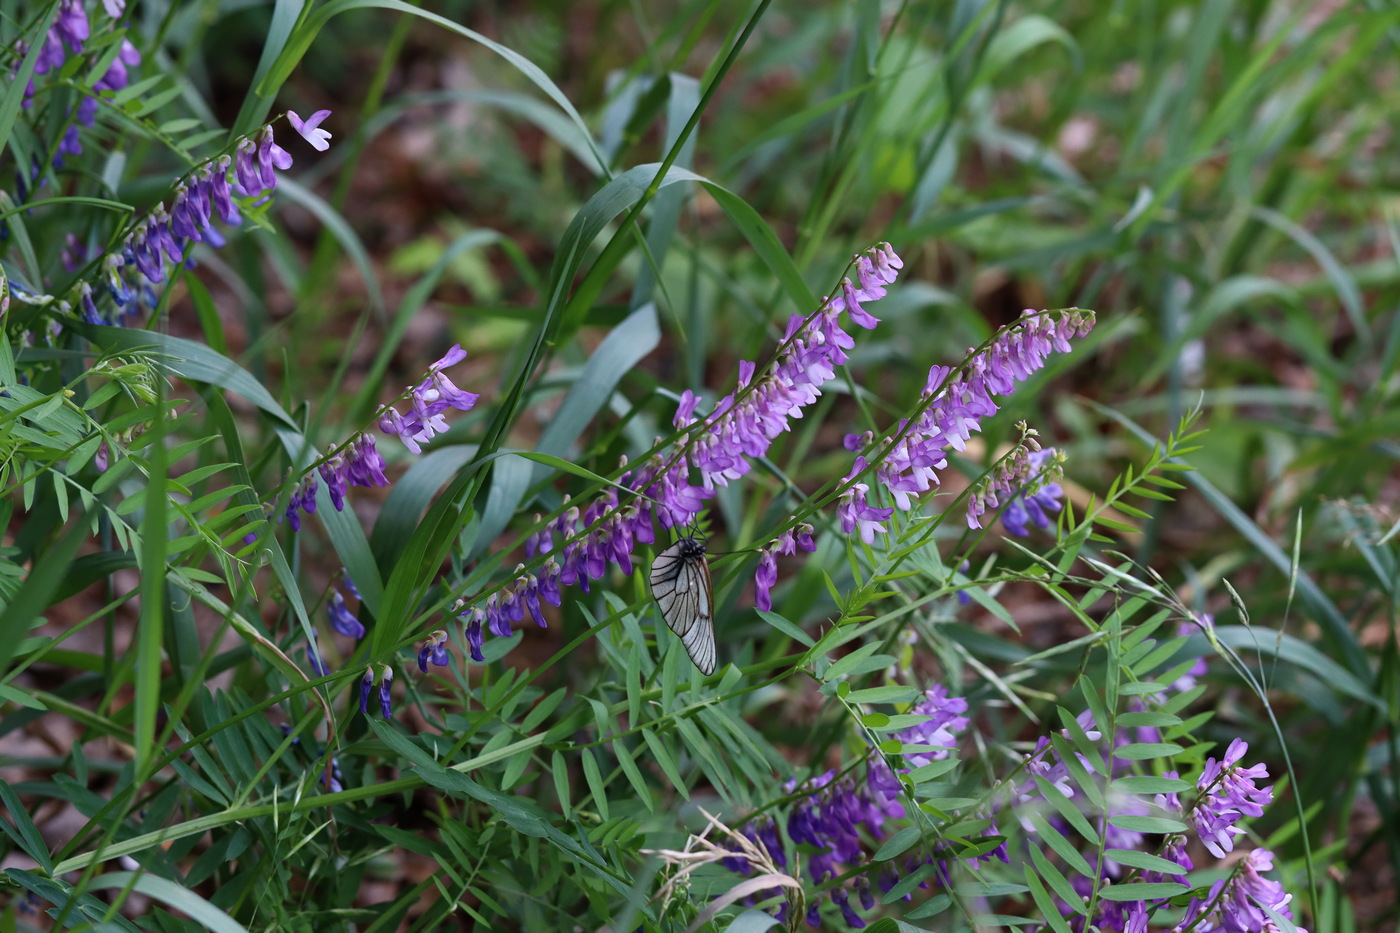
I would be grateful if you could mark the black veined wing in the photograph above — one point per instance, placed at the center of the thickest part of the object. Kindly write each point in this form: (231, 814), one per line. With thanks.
(680, 583)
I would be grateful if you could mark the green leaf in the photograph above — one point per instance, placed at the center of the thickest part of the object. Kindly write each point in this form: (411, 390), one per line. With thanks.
(9, 694)
(188, 360)
(1144, 784)
(1144, 751)
(513, 810)
(843, 666)
(666, 760)
(1048, 908)
(1062, 846)
(24, 833)
(898, 844)
(1066, 808)
(1147, 862)
(1143, 892)
(932, 907)
(1148, 824)
(883, 695)
(594, 779)
(168, 892)
(560, 770)
(786, 627)
(634, 776)
(932, 770)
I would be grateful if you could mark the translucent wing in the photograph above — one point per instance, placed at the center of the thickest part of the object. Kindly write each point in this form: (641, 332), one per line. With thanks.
(680, 582)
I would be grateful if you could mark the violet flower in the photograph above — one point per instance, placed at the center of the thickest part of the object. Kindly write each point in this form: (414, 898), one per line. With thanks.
(309, 129)
(386, 681)
(429, 399)
(1228, 792)
(433, 650)
(786, 544)
(837, 815)
(1022, 481)
(956, 400)
(342, 620)
(206, 195)
(1232, 904)
(366, 683)
(386, 708)
(721, 448)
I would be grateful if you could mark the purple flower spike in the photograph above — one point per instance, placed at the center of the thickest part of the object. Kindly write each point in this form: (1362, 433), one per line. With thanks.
(1234, 904)
(429, 399)
(955, 403)
(342, 619)
(363, 464)
(310, 129)
(1228, 793)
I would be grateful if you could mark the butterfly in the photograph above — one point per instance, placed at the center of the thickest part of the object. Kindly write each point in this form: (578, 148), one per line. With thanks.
(680, 583)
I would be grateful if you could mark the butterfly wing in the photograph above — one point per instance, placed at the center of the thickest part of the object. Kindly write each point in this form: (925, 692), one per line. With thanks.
(680, 582)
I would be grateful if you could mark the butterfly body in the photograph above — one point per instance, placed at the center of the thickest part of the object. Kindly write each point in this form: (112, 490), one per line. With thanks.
(680, 583)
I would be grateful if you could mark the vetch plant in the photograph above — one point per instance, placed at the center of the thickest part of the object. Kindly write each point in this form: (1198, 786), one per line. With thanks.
(263, 669)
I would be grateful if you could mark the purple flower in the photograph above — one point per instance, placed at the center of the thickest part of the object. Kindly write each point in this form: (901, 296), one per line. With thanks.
(302, 500)
(721, 448)
(71, 25)
(429, 399)
(786, 544)
(856, 513)
(117, 75)
(219, 194)
(310, 128)
(955, 401)
(1038, 498)
(835, 817)
(1228, 792)
(744, 424)
(334, 473)
(386, 708)
(342, 619)
(433, 650)
(363, 464)
(366, 683)
(473, 622)
(764, 579)
(89, 306)
(943, 719)
(245, 168)
(270, 156)
(1233, 904)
